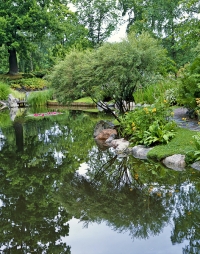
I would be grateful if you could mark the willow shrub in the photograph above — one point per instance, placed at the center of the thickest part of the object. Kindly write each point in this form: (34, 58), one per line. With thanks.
(4, 91)
(39, 98)
(114, 70)
(148, 125)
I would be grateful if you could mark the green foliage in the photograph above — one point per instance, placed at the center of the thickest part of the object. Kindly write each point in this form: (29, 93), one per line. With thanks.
(29, 84)
(159, 133)
(85, 100)
(39, 98)
(114, 70)
(182, 143)
(165, 89)
(175, 23)
(171, 95)
(4, 91)
(197, 144)
(35, 30)
(189, 92)
(17, 94)
(64, 78)
(148, 125)
(5, 120)
(101, 18)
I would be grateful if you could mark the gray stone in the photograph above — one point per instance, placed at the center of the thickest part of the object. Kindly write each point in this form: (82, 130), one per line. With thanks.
(110, 139)
(120, 145)
(140, 152)
(12, 101)
(176, 162)
(13, 113)
(196, 165)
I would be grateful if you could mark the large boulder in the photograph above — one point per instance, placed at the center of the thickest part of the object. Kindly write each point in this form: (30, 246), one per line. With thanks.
(12, 101)
(105, 134)
(120, 145)
(176, 162)
(196, 165)
(140, 152)
(102, 125)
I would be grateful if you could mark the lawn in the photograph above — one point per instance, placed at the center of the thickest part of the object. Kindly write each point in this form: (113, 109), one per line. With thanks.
(182, 143)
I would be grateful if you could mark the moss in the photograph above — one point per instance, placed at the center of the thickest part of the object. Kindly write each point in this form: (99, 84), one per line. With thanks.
(182, 143)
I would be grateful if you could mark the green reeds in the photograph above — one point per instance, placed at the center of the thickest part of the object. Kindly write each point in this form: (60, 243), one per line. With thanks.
(39, 98)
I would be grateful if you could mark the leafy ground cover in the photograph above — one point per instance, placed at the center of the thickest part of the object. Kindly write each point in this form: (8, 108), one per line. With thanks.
(182, 143)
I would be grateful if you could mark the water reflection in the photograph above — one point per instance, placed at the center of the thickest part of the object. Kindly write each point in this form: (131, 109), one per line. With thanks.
(41, 189)
(136, 197)
(33, 159)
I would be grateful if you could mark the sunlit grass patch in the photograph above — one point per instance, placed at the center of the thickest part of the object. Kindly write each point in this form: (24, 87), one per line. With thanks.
(182, 143)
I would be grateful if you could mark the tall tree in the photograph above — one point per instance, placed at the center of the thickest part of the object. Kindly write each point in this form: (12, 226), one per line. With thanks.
(24, 22)
(99, 16)
(170, 21)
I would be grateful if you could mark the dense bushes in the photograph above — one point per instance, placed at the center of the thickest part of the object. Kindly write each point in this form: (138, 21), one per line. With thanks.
(148, 125)
(29, 84)
(189, 92)
(165, 89)
(4, 91)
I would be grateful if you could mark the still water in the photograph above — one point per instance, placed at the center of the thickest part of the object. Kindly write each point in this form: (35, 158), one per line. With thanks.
(61, 193)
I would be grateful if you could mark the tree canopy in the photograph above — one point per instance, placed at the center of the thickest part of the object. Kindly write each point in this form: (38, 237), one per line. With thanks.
(114, 70)
(99, 16)
(24, 23)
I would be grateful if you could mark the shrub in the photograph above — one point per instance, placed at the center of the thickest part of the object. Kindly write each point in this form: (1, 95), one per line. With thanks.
(157, 91)
(196, 153)
(30, 84)
(189, 89)
(4, 91)
(40, 97)
(148, 125)
(171, 95)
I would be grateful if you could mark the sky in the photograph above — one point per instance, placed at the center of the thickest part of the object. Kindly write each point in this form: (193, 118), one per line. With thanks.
(118, 35)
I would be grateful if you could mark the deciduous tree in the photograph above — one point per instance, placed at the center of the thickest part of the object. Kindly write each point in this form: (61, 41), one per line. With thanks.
(114, 70)
(24, 23)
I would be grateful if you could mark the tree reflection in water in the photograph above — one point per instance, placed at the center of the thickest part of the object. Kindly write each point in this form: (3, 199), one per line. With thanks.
(33, 158)
(41, 189)
(135, 196)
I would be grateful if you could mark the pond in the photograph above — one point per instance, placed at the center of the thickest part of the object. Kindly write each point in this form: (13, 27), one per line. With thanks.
(61, 193)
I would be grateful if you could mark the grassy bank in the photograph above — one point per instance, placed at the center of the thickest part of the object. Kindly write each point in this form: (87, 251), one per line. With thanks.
(182, 143)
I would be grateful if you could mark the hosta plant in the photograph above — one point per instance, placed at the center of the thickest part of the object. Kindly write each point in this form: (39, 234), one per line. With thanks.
(148, 125)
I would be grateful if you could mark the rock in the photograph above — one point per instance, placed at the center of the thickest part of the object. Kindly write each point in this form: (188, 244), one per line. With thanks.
(110, 139)
(12, 101)
(140, 152)
(13, 113)
(196, 165)
(105, 134)
(120, 145)
(176, 162)
(102, 125)
(102, 145)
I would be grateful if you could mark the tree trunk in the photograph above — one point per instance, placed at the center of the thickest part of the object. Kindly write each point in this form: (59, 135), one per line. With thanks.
(13, 67)
(19, 135)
